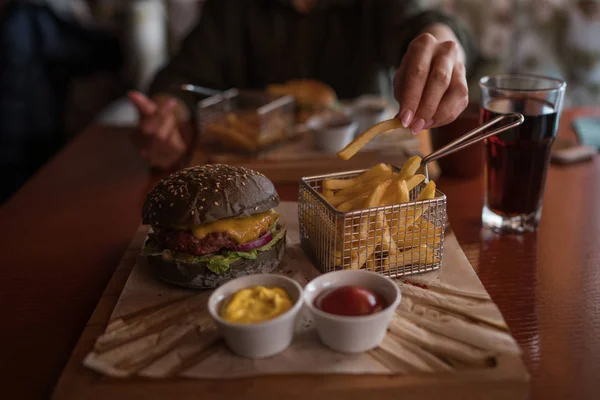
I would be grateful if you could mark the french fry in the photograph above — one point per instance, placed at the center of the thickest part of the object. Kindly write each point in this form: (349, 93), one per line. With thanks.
(233, 136)
(361, 140)
(343, 258)
(411, 183)
(422, 233)
(367, 243)
(354, 254)
(400, 221)
(242, 127)
(373, 201)
(428, 192)
(414, 181)
(420, 255)
(380, 169)
(374, 198)
(354, 203)
(409, 168)
(373, 172)
(336, 184)
(337, 200)
(371, 238)
(402, 192)
(386, 245)
(364, 187)
(328, 193)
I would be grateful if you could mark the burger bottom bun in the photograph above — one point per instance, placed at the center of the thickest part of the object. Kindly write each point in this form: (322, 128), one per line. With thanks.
(198, 276)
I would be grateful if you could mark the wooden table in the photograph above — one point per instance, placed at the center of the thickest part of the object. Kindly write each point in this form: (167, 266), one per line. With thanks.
(64, 233)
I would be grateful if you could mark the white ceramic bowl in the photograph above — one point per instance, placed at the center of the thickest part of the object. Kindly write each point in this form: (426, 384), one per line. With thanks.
(329, 138)
(263, 339)
(349, 334)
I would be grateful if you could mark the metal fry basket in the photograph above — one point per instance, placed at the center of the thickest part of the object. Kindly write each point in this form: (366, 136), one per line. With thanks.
(245, 120)
(394, 240)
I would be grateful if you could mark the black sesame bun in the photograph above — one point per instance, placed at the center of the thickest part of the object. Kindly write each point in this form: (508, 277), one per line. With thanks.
(198, 276)
(206, 193)
(198, 196)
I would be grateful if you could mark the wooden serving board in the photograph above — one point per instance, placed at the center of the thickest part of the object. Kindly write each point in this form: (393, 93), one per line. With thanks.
(507, 379)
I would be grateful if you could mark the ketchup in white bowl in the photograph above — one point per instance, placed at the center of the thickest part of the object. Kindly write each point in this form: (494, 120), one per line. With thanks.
(351, 309)
(350, 301)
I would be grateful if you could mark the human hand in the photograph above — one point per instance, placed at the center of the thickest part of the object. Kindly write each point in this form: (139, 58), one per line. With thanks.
(431, 84)
(158, 137)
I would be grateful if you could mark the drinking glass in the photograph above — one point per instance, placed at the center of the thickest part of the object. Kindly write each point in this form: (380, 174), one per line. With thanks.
(516, 161)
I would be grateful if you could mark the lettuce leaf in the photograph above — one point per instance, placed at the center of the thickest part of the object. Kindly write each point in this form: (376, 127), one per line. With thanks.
(220, 264)
(216, 262)
(248, 255)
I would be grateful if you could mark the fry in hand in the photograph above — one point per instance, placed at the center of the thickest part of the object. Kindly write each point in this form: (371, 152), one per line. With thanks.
(361, 140)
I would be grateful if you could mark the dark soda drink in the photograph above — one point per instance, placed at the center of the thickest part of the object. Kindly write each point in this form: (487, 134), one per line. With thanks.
(517, 160)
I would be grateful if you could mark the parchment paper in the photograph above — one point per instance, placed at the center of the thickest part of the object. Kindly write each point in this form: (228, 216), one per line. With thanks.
(187, 357)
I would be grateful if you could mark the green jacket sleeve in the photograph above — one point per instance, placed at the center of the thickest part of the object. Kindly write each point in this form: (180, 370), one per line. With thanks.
(405, 19)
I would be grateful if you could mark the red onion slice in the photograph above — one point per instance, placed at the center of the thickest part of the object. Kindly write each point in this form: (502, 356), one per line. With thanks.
(261, 241)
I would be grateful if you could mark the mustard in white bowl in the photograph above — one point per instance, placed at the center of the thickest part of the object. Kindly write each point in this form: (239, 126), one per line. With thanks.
(258, 333)
(256, 304)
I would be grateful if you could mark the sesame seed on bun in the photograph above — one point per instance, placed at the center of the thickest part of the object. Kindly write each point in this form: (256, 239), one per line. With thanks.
(206, 193)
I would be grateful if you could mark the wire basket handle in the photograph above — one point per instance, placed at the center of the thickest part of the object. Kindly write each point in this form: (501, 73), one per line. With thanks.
(186, 87)
(472, 136)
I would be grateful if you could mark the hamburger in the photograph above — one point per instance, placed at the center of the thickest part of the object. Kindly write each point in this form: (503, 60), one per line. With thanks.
(311, 96)
(212, 223)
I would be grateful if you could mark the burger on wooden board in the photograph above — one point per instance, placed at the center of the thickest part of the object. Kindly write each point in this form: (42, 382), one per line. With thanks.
(212, 223)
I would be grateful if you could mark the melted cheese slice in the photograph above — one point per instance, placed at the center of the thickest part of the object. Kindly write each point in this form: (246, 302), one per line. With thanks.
(242, 230)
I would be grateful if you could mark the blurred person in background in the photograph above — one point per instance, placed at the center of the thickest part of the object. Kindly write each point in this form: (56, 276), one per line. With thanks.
(43, 46)
(355, 46)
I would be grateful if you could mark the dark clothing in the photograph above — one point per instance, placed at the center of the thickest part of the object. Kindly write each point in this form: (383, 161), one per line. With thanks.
(352, 45)
(39, 54)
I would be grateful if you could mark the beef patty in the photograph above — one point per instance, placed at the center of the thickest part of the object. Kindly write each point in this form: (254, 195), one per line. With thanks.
(186, 242)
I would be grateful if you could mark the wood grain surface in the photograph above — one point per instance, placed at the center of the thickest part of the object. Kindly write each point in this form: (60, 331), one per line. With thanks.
(64, 233)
